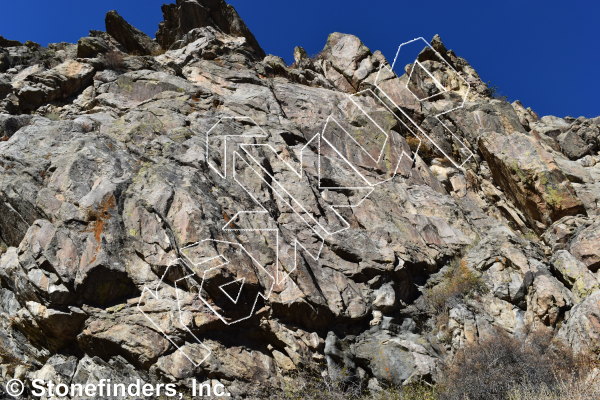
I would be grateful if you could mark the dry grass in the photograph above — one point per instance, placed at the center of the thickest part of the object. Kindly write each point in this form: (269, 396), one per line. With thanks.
(312, 386)
(587, 388)
(158, 51)
(318, 388)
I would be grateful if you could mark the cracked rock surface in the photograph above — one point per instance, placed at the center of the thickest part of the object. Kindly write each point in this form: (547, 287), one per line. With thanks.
(115, 183)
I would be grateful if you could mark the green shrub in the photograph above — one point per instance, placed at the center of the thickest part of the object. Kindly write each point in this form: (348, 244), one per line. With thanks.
(494, 92)
(418, 391)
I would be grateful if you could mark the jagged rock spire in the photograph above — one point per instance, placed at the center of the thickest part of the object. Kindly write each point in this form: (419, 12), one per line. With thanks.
(185, 15)
(131, 38)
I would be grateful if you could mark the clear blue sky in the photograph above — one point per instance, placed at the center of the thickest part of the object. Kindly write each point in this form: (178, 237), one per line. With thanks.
(545, 53)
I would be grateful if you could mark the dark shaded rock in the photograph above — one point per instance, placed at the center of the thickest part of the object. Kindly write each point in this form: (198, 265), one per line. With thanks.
(340, 365)
(15, 215)
(23, 56)
(185, 15)
(581, 139)
(133, 40)
(89, 47)
(9, 124)
(104, 286)
(4, 60)
(573, 145)
(9, 43)
(5, 87)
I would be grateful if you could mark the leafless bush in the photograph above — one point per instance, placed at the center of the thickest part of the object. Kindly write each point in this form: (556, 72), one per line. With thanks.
(458, 283)
(114, 60)
(495, 367)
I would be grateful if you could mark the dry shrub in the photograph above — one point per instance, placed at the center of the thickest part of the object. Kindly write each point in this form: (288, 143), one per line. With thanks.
(499, 365)
(415, 391)
(310, 385)
(425, 151)
(158, 51)
(114, 60)
(458, 283)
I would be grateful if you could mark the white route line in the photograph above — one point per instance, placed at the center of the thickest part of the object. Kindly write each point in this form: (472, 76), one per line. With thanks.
(228, 137)
(312, 223)
(314, 226)
(210, 306)
(443, 90)
(437, 83)
(237, 298)
(154, 295)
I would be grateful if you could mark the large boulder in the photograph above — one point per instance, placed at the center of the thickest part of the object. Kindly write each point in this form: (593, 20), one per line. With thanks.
(582, 138)
(58, 83)
(586, 246)
(581, 281)
(581, 330)
(528, 174)
(5, 86)
(88, 47)
(396, 358)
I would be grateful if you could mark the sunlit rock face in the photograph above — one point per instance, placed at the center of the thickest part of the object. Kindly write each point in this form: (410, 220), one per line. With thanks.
(187, 207)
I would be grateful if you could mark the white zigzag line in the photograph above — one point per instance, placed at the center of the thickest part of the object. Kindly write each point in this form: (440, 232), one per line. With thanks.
(296, 243)
(155, 295)
(259, 265)
(443, 90)
(368, 186)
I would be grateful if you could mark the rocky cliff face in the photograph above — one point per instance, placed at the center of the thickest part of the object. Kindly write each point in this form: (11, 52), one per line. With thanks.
(188, 207)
